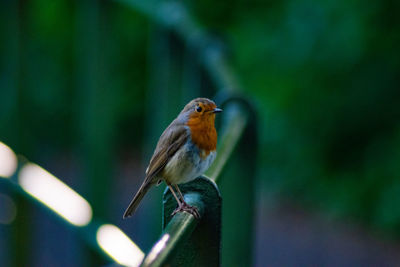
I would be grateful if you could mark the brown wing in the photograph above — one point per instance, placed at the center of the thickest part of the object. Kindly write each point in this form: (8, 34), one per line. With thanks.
(173, 138)
(170, 141)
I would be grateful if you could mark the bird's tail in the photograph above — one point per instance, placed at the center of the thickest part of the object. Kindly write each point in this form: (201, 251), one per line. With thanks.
(136, 200)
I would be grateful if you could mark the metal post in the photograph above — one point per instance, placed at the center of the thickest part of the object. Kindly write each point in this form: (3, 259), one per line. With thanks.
(182, 246)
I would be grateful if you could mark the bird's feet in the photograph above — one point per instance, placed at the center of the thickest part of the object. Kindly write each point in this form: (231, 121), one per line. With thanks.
(189, 209)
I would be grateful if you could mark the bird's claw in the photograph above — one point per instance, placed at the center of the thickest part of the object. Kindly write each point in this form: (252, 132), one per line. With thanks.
(189, 209)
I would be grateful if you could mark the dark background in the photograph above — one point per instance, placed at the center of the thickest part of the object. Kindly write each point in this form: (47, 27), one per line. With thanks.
(86, 88)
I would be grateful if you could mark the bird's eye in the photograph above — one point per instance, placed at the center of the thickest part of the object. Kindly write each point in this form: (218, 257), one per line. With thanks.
(198, 109)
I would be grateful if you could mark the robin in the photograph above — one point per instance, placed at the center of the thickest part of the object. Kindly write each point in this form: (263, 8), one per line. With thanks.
(184, 151)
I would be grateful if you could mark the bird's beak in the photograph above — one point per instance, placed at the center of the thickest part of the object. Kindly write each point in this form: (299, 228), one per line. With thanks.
(217, 110)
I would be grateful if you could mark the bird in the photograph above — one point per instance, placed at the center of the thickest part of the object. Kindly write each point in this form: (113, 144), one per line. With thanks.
(185, 150)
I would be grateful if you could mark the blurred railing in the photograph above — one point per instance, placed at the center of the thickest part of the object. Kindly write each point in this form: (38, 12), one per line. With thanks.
(186, 241)
(34, 183)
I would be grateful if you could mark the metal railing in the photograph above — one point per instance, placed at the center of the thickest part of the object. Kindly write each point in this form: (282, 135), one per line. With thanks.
(42, 188)
(186, 241)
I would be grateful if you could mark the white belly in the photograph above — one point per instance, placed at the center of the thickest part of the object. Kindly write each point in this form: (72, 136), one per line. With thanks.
(187, 164)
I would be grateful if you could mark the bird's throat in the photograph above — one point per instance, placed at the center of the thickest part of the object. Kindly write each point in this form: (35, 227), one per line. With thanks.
(203, 135)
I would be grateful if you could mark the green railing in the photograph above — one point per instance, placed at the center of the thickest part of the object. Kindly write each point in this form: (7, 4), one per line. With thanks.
(35, 184)
(186, 241)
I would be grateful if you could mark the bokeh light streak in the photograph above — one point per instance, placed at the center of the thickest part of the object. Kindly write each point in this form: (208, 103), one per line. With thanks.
(119, 246)
(8, 161)
(55, 194)
(153, 254)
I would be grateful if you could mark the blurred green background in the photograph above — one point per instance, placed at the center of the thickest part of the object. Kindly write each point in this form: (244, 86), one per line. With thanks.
(86, 88)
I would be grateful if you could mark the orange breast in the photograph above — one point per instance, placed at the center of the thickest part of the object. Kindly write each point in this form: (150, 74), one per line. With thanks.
(203, 133)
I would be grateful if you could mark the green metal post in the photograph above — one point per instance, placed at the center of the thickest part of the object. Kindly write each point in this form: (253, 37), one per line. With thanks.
(200, 247)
